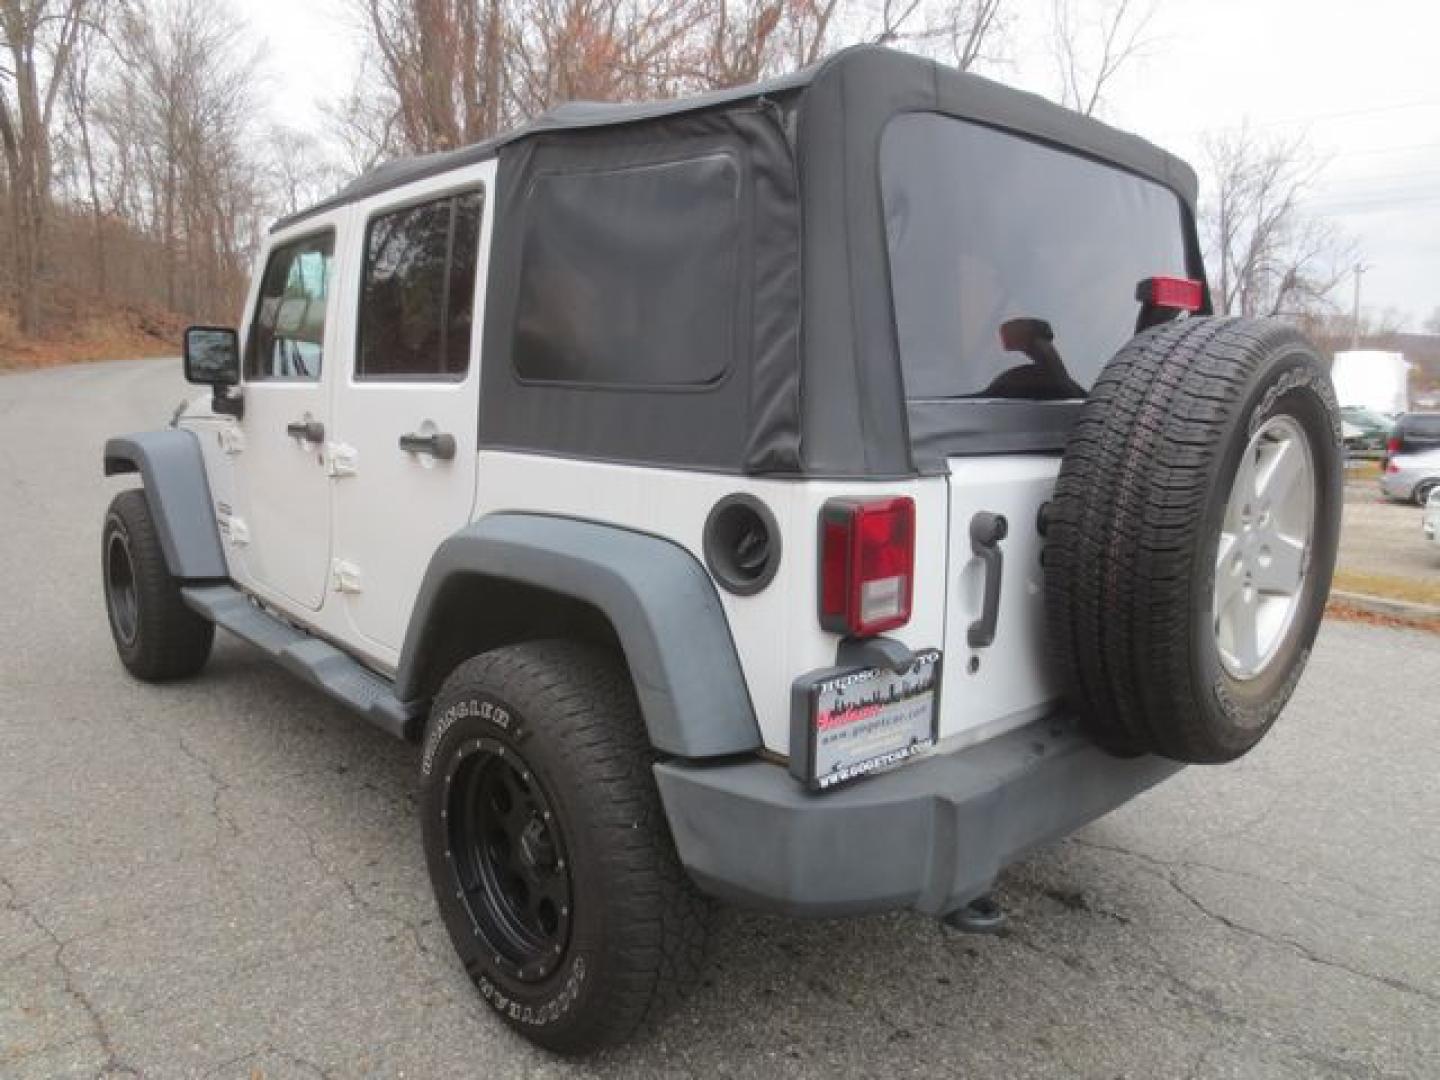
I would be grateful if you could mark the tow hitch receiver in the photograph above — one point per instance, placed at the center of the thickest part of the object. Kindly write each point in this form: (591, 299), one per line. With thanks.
(983, 915)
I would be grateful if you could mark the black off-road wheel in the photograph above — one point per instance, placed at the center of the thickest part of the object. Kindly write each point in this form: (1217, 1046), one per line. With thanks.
(1192, 537)
(551, 860)
(157, 636)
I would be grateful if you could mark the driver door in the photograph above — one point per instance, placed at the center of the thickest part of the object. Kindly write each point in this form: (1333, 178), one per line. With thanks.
(279, 528)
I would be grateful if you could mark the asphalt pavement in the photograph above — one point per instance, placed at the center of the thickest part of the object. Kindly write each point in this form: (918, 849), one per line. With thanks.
(223, 878)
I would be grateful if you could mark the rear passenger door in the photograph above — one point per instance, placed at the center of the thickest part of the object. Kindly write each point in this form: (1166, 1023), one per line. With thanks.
(406, 417)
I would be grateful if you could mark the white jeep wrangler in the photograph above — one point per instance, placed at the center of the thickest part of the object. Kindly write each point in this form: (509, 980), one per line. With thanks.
(647, 465)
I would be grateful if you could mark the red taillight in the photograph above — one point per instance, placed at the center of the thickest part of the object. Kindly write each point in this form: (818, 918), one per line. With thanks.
(1392, 446)
(1391, 467)
(867, 565)
(1173, 293)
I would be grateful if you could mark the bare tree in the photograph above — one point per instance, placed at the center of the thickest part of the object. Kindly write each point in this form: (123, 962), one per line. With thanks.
(301, 171)
(78, 86)
(179, 119)
(436, 58)
(961, 32)
(1266, 255)
(41, 38)
(1091, 49)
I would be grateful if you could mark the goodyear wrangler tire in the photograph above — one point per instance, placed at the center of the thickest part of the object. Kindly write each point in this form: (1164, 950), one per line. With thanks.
(1192, 537)
(550, 856)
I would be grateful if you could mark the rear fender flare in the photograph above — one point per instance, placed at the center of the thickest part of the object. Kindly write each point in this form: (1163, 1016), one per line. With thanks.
(656, 596)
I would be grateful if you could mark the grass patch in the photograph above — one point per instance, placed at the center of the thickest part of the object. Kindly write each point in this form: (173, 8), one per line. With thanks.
(1417, 590)
(1345, 613)
(83, 328)
(1362, 469)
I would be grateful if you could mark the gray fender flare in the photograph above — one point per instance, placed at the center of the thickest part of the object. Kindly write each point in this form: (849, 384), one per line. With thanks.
(173, 469)
(660, 601)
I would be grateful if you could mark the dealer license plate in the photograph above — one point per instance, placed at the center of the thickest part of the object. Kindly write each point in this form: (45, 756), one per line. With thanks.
(848, 722)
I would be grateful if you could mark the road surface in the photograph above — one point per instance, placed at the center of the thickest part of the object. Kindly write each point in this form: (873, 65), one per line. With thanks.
(223, 878)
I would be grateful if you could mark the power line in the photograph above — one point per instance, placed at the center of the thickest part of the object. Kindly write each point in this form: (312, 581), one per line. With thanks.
(1374, 110)
(1383, 202)
(1368, 151)
(1383, 178)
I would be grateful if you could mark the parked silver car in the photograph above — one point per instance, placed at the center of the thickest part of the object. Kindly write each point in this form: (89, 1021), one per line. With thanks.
(1411, 476)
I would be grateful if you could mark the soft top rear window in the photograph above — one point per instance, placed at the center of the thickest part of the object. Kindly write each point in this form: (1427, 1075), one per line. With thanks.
(985, 227)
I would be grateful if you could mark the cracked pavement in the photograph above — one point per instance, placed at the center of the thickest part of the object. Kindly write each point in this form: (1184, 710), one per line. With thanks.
(223, 878)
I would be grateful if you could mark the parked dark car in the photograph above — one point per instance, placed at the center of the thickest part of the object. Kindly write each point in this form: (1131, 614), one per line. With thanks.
(1413, 433)
(1374, 431)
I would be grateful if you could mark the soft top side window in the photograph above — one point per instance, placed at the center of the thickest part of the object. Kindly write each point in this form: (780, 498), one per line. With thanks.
(287, 333)
(417, 297)
(630, 274)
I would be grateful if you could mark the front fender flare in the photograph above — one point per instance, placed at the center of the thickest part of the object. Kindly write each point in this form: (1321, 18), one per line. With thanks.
(659, 600)
(173, 469)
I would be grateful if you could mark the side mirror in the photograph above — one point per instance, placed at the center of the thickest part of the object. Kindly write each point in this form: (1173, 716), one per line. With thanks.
(212, 358)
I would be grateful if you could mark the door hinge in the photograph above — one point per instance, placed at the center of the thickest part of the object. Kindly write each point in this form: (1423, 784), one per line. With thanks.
(345, 576)
(231, 439)
(340, 459)
(236, 529)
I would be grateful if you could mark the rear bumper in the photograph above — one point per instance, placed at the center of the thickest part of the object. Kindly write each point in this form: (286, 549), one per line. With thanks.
(930, 835)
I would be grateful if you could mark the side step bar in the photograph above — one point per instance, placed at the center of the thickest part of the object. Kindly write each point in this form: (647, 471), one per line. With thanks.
(317, 662)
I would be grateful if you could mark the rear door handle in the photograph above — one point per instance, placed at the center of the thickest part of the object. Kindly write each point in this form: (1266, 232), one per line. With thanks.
(986, 532)
(311, 431)
(437, 445)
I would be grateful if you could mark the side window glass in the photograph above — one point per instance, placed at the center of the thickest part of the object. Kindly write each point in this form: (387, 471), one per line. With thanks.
(287, 336)
(417, 299)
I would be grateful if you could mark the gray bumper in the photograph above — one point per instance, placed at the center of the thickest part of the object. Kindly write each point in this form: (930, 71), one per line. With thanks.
(930, 835)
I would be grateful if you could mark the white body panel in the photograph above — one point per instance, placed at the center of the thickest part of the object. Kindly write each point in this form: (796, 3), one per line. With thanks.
(1368, 379)
(1011, 681)
(395, 509)
(777, 632)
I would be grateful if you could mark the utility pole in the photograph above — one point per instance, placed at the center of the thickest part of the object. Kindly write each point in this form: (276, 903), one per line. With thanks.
(1355, 311)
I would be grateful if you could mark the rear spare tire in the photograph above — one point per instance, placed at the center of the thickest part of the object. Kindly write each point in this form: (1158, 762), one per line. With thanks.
(1192, 537)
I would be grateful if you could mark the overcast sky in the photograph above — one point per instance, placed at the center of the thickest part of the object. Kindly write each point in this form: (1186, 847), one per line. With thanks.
(1360, 79)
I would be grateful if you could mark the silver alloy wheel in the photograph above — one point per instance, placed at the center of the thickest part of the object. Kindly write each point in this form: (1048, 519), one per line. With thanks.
(1263, 557)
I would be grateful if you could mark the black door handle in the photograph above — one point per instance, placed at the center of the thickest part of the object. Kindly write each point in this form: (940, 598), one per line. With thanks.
(437, 445)
(311, 431)
(986, 532)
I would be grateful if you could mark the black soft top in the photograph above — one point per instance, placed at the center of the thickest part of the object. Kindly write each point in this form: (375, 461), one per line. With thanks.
(869, 73)
(813, 384)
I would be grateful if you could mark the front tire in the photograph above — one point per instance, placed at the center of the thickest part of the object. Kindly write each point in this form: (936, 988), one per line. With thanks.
(157, 636)
(548, 850)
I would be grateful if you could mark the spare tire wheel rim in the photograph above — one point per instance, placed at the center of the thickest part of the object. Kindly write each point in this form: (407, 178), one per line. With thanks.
(1263, 555)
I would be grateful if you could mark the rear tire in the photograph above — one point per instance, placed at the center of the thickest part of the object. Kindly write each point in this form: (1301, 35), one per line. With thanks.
(157, 636)
(1152, 508)
(548, 849)
(1423, 490)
